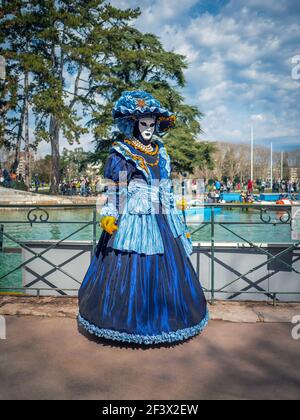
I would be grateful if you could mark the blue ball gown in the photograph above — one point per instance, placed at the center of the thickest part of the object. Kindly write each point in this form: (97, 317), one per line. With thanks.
(138, 298)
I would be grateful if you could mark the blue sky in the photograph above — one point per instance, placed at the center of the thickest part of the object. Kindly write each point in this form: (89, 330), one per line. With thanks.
(240, 55)
(240, 64)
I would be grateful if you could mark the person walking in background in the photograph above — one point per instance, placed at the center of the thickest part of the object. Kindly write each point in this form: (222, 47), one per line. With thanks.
(295, 187)
(194, 188)
(36, 183)
(83, 188)
(250, 186)
(277, 187)
(218, 185)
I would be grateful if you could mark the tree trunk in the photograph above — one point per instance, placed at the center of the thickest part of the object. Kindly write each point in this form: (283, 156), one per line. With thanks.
(15, 165)
(26, 136)
(55, 125)
(54, 136)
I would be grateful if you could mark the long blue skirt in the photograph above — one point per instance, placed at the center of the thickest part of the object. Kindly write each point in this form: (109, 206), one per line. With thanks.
(142, 299)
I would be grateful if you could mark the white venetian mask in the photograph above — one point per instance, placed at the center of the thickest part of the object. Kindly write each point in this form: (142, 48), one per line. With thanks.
(147, 128)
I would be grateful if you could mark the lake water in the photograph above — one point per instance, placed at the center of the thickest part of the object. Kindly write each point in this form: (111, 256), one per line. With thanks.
(56, 231)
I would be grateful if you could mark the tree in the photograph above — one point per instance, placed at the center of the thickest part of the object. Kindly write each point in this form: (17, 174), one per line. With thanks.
(8, 85)
(67, 49)
(42, 168)
(74, 163)
(17, 31)
(68, 62)
(76, 41)
(141, 62)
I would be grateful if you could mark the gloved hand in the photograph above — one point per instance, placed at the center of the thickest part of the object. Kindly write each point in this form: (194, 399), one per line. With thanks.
(182, 204)
(108, 224)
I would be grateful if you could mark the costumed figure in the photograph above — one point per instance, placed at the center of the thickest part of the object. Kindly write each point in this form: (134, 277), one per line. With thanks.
(141, 286)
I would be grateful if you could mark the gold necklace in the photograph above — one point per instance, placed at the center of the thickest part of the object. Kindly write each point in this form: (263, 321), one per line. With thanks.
(144, 164)
(148, 150)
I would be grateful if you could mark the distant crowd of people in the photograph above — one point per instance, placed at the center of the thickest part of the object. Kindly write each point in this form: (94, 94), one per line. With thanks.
(230, 186)
(83, 187)
(9, 178)
(289, 187)
(215, 189)
(279, 186)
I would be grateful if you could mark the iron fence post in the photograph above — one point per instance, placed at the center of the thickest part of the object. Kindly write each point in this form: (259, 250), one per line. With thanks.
(94, 229)
(1, 238)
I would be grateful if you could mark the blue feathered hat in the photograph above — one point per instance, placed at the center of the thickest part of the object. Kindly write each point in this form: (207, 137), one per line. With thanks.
(133, 105)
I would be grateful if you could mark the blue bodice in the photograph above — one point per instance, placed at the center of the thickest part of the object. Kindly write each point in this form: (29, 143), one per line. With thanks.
(139, 194)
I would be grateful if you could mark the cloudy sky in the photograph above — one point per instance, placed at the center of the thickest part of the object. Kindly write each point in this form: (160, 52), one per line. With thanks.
(241, 70)
(240, 55)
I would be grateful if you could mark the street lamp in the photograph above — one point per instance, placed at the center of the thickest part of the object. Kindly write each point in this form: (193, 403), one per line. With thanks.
(271, 165)
(252, 153)
(254, 120)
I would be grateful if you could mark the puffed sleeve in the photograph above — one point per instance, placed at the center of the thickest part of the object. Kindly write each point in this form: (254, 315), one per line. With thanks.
(117, 172)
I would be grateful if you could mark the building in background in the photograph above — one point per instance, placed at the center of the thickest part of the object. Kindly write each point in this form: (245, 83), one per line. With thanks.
(3, 158)
(294, 174)
(21, 167)
(6, 160)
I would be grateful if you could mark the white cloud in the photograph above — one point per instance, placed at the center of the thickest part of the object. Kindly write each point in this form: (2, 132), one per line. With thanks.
(257, 117)
(188, 51)
(220, 91)
(239, 62)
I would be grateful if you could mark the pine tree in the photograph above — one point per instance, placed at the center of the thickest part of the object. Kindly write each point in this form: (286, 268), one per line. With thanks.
(73, 42)
(64, 47)
(141, 62)
(17, 31)
(69, 62)
(9, 98)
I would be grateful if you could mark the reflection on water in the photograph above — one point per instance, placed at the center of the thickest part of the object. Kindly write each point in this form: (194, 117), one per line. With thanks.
(47, 231)
(54, 231)
(267, 233)
(50, 231)
(7, 263)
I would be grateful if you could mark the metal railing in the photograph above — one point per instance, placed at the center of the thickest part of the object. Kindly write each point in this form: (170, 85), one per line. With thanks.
(40, 215)
(283, 217)
(267, 215)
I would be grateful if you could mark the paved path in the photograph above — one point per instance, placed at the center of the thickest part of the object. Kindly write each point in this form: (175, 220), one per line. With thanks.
(48, 359)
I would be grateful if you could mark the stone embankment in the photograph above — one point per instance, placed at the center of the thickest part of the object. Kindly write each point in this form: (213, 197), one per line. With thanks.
(14, 197)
